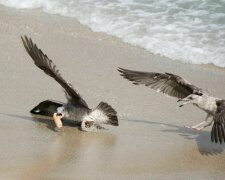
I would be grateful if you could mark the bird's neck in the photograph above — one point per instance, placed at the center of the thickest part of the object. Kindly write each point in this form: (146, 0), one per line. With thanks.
(207, 103)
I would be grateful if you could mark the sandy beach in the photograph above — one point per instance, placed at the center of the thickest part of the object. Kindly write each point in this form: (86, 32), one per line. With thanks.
(150, 142)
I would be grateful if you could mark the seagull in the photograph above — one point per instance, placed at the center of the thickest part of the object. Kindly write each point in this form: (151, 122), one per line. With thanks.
(187, 93)
(76, 109)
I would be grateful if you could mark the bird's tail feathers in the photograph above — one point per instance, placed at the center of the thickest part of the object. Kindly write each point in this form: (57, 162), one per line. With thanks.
(104, 114)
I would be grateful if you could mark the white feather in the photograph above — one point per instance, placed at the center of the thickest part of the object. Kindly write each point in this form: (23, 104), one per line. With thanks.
(97, 116)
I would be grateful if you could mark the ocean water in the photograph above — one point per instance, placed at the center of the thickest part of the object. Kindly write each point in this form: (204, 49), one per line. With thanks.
(192, 31)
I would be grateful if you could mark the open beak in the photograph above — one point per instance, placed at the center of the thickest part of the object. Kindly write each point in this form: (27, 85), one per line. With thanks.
(57, 119)
(184, 102)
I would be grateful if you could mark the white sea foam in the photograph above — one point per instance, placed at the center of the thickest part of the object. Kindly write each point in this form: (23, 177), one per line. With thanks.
(191, 31)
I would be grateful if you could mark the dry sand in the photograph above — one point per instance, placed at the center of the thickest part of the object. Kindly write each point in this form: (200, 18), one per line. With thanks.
(151, 141)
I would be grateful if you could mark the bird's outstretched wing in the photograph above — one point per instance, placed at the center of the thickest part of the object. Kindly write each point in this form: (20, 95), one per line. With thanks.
(42, 61)
(218, 129)
(166, 83)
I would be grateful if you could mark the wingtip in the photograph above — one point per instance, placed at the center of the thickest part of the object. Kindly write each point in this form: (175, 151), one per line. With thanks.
(22, 38)
(120, 69)
(123, 71)
(25, 39)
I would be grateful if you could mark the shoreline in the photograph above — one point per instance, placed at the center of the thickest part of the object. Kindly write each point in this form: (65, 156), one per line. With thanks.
(36, 12)
(151, 141)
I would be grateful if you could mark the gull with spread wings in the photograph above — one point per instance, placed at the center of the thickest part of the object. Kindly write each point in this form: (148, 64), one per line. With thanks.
(76, 109)
(187, 93)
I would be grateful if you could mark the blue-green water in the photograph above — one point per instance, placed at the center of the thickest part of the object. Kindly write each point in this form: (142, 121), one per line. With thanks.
(191, 31)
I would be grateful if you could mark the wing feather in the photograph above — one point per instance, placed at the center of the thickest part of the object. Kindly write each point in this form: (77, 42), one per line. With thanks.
(218, 131)
(166, 83)
(42, 61)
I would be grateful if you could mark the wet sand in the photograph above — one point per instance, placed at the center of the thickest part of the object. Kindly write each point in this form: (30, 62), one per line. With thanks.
(151, 141)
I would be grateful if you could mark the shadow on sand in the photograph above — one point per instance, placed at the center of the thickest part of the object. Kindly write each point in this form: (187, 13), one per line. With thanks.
(62, 148)
(202, 138)
(49, 123)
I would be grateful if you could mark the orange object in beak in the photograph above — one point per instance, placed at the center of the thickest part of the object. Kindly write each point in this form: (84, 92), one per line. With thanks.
(57, 120)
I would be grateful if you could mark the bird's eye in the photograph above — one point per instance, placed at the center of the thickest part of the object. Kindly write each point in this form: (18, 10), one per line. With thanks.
(190, 98)
(198, 93)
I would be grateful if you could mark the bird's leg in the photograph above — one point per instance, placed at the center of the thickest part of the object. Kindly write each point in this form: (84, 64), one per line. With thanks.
(83, 124)
(83, 127)
(197, 126)
(57, 119)
(200, 128)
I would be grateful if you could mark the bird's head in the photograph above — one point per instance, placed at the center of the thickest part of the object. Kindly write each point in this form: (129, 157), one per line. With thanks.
(191, 99)
(61, 112)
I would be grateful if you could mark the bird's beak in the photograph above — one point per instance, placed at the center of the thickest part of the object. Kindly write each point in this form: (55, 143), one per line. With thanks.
(184, 102)
(57, 119)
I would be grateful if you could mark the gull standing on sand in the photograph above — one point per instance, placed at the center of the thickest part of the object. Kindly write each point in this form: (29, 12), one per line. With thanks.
(176, 86)
(76, 109)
